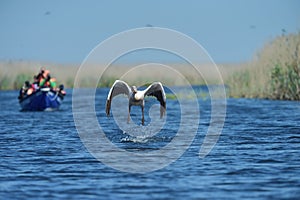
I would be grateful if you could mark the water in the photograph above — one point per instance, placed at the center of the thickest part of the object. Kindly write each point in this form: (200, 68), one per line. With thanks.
(257, 155)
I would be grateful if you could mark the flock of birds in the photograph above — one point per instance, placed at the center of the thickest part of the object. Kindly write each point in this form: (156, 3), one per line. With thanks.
(137, 97)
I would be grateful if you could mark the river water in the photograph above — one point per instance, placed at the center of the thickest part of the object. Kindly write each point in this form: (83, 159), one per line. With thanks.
(257, 155)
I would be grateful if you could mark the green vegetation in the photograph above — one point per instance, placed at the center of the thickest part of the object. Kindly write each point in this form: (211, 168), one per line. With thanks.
(4, 83)
(285, 82)
(107, 82)
(20, 79)
(14, 73)
(7, 82)
(274, 74)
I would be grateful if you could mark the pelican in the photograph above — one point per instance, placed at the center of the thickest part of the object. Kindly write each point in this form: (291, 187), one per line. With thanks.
(136, 97)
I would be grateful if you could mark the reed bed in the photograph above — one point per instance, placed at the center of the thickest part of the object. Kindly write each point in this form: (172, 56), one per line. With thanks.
(273, 74)
(13, 74)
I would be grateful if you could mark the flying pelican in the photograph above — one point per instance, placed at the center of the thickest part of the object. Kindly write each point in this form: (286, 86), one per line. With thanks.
(136, 97)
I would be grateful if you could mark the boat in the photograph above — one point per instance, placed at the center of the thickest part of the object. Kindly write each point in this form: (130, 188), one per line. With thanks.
(43, 99)
(42, 94)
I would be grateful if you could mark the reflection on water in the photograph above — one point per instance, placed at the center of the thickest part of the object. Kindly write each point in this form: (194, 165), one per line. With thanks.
(257, 155)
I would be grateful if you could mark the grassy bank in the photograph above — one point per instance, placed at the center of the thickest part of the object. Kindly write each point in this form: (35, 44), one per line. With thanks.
(14, 74)
(273, 74)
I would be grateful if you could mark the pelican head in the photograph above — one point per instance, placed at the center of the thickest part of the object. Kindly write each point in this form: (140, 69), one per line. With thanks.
(134, 89)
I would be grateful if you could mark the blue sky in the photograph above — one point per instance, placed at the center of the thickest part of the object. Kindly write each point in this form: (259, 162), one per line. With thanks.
(66, 31)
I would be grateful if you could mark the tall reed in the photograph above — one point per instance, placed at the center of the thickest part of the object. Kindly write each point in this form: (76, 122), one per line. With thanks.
(274, 73)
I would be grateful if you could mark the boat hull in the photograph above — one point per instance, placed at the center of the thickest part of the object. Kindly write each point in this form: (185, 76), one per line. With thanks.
(41, 100)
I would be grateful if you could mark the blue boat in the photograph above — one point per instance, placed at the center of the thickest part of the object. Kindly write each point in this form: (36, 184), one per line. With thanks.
(44, 99)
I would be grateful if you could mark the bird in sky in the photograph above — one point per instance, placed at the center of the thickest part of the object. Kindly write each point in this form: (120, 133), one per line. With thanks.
(137, 97)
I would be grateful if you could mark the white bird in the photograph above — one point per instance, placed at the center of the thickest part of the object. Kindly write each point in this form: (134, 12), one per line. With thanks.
(136, 97)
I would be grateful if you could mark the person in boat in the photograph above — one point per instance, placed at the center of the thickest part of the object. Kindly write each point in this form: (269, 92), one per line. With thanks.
(40, 75)
(61, 91)
(44, 79)
(30, 90)
(24, 89)
(27, 89)
(48, 81)
(35, 83)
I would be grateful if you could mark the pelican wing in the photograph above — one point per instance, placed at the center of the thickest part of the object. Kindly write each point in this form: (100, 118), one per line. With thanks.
(156, 89)
(119, 87)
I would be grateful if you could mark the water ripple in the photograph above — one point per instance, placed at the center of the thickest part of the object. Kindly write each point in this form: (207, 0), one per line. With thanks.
(257, 155)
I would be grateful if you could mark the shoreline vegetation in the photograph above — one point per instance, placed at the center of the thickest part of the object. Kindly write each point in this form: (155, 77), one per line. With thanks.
(274, 73)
